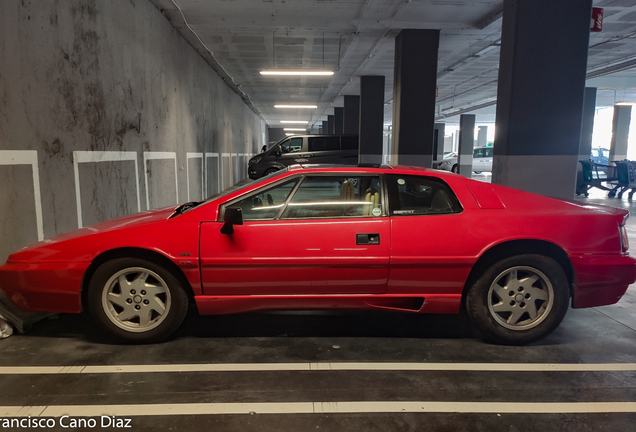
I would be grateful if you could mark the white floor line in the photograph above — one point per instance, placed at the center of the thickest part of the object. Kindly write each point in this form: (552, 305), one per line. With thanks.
(317, 408)
(263, 367)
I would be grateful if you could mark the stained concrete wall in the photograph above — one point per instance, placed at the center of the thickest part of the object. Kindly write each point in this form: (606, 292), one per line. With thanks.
(106, 110)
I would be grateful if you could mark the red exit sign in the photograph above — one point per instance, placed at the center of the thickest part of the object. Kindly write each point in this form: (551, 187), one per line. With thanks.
(596, 25)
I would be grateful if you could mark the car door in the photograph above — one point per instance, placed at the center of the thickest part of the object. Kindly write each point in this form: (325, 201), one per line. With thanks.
(293, 151)
(488, 159)
(319, 234)
(428, 255)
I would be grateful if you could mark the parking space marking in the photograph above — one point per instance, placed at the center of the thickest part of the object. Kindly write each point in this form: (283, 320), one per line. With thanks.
(264, 367)
(318, 408)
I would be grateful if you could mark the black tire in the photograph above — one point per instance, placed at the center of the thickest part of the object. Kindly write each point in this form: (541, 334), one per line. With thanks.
(455, 169)
(269, 171)
(477, 172)
(502, 302)
(149, 288)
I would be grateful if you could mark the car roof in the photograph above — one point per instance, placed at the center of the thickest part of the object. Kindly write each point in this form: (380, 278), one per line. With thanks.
(379, 168)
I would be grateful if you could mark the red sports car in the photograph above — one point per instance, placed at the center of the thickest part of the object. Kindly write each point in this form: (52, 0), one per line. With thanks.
(397, 238)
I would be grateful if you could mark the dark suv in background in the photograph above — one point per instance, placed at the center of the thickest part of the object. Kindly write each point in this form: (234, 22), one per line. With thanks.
(305, 149)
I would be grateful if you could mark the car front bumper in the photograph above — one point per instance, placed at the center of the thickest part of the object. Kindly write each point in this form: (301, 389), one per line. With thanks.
(601, 279)
(44, 287)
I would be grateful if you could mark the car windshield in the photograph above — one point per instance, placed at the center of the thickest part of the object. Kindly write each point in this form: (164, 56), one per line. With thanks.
(244, 183)
(450, 155)
(240, 185)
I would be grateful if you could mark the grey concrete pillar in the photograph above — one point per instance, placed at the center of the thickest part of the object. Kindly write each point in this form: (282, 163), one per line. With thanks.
(414, 84)
(438, 142)
(587, 128)
(325, 127)
(482, 135)
(320, 130)
(338, 114)
(466, 144)
(540, 95)
(620, 132)
(371, 119)
(351, 115)
(331, 124)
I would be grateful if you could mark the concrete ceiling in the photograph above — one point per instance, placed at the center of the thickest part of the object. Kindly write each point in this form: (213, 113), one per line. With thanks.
(239, 38)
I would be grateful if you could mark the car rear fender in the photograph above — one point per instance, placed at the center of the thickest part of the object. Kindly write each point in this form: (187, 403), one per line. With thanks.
(519, 247)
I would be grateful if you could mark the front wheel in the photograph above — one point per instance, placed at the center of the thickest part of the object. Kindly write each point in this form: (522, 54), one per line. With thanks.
(136, 300)
(455, 169)
(519, 300)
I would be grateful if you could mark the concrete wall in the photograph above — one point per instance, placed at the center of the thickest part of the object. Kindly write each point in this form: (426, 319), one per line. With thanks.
(106, 110)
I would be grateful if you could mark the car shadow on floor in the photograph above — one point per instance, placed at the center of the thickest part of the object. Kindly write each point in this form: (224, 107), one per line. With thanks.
(283, 324)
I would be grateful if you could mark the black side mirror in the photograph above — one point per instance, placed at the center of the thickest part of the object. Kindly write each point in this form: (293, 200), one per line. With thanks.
(233, 216)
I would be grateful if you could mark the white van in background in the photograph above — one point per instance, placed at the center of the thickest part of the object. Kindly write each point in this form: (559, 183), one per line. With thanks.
(482, 161)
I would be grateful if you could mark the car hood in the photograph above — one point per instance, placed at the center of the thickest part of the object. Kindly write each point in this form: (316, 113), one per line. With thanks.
(133, 220)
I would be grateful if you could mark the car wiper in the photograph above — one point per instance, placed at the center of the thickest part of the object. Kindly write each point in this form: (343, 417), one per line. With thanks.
(185, 207)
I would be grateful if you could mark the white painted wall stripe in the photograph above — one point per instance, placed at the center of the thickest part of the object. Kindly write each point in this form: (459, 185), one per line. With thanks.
(265, 367)
(101, 156)
(318, 408)
(28, 157)
(161, 155)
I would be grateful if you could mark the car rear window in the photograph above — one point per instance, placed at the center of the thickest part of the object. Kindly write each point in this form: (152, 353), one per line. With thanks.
(420, 195)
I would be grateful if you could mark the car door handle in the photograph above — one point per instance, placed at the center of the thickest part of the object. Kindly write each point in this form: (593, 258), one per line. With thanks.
(368, 239)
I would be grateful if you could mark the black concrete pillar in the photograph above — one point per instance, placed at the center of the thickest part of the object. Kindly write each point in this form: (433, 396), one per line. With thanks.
(540, 94)
(466, 144)
(331, 124)
(438, 142)
(338, 114)
(414, 84)
(325, 127)
(371, 119)
(620, 132)
(351, 115)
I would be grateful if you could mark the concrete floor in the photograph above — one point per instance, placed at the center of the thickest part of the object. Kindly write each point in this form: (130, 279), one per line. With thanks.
(332, 372)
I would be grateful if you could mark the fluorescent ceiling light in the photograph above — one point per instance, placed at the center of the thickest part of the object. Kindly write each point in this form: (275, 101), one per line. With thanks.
(295, 121)
(297, 72)
(294, 129)
(297, 106)
(625, 103)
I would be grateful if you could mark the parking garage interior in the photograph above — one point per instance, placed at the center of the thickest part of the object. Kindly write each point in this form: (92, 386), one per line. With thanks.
(109, 108)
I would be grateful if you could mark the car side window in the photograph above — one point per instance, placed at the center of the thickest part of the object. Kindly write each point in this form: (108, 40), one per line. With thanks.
(488, 152)
(477, 153)
(292, 145)
(265, 204)
(349, 143)
(324, 143)
(418, 195)
(336, 196)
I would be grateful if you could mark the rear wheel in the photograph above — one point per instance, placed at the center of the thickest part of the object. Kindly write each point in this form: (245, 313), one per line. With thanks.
(136, 300)
(519, 300)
